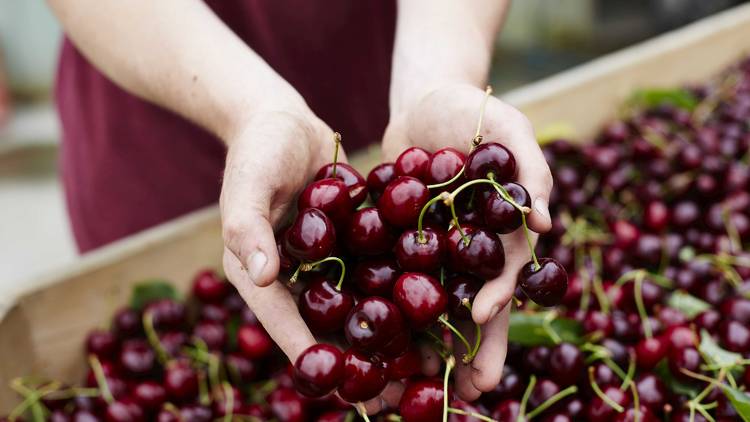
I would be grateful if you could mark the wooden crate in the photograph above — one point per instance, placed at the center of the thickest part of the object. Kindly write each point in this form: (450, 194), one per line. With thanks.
(42, 333)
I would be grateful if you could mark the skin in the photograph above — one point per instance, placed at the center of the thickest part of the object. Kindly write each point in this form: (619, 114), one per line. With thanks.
(185, 59)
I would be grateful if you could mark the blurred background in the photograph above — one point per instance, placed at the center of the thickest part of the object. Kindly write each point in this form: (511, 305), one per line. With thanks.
(540, 38)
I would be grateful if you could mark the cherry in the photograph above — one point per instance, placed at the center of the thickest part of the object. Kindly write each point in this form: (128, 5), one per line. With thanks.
(137, 358)
(461, 289)
(507, 410)
(600, 411)
(101, 343)
(221, 402)
(734, 336)
(406, 365)
(484, 255)
(737, 309)
(376, 325)
(368, 234)
(466, 407)
(656, 216)
(240, 368)
(679, 337)
(596, 321)
(413, 162)
(708, 320)
(417, 251)
(85, 415)
(209, 288)
(536, 360)
(543, 391)
(57, 415)
(648, 249)
(324, 307)
(333, 416)
(311, 237)
(123, 411)
(402, 201)
(671, 317)
(444, 166)
(649, 351)
(558, 417)
(511, 386)
(685, 214)
(214, 313)
(173, 342)
(363, 379)
(421, 298)
(652, 391)
(212, 333)
(643, 414)
(286, 405)
(546, 283)
(253, 341)
(565, 364)
(422, 401)
(354, 181)
(149, 395)
(180, 381)
(683, 415)
(380, 176)
(330, 196)
(287, 263)
(318, 370)
(500, 215)
(626, 234)
(492, 158)
(376, 276)
(195, 413)
(688, 358)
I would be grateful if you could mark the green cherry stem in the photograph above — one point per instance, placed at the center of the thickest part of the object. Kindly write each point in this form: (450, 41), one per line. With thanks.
(467, 357)
(598, 391)
(362, 411)
(478, 330)
(448, 182)
(337, 143)
(423, 212)
(525, 399)
(228, 401)
(477, 139)
(153, 338)
(523, 210)
(449, 364)
(638, 291)
(472, 414)
(101, 379)
(309, 266)
(551, 401)
(450, 201)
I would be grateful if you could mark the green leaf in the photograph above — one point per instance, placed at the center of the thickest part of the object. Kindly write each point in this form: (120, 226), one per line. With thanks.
(233, 327)
(151, 290)
(677, 386)
(715, 354)
(740, 401)
(687, 303)
(650, 98)
(529, 329)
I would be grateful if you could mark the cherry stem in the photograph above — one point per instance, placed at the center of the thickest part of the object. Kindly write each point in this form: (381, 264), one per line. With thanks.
(478, 330)
(228, 401)
(450, 200)
(598, 391)
(362, 411)
(153, 337)
(31, 400)
(420, 233)
(638, 292)
(337, 143)
(171, 408)
(525, 398)
(547, 325)
(551, 401)
(628, 380)
(472, 414)
(101, 380)
(450, 362)
(309, 266)
(467, 357)
(203, 396)
(636, 401)
(477, 137)
(449, 181)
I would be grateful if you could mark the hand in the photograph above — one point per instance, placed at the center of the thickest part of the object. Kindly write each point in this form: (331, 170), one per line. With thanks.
(448, 117)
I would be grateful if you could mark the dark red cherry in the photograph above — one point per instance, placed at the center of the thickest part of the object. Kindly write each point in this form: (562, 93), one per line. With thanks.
(127, 323)
(208, 287)
(483, 257)
(452, 240)
(500, 215)
(421, 298)
(536, 360)
(167, 314)
(708, 320)
(376, 325)
(466, 407)
(287, 406)
(652, 391)
(101, 343)
(444, 165)
(508, 410)
(380, 176)
(287, 263)
(543, 391)
(734, 336)
(123, 411)
(494, 158)
(376, 276)
(354, 181)
(597, 321)
(422, 401)
(149, 395)
(253, 341)
(137, 358)
(656, 216)
(214, 313)
(545, 285)
(626, 234)
(462, 288)
(405, 365)
(368, 233)
(402, 201)
(318, 370)
(643, 414)
(736, 308)
(363, 379)
(212, 333)
(565, 364)
(601, 411)
(420, 253)
(311, 237)
(323, 307)
(223, 404)
(240, 368)
(680, 336)
(330, 196)
(413, 162)
(685, 358)
(173, 342)
(180, 381)
(649, 351)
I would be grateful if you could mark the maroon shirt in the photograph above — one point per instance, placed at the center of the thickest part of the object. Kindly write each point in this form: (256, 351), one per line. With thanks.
(128, 164)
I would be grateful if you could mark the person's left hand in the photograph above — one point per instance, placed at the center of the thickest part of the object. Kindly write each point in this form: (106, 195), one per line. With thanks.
(448, 117)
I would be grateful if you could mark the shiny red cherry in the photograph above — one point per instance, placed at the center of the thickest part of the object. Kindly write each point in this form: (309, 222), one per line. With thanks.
(494, 158)
(545, 285)
(330, 196)
(363, 379)
(287, 405)
(376, 325)
(376, 276)
(444, 165)
(253, 341)
(422, 401)
(208, 287)
(318, 370)
(406, 365)
(421, 298)
(462, 288)
(565, 364)
(323, 307)
(354, 181)
(500, 215)
(368, 234)
(101, 343)
(507, 410)
(483, 257)
(240, 368)
(415, 252)
(127, 323)
(311, 237)
(413, 162)
(402, 201)
(380, 176)
(150, 395)
(137, 358)
(125, 410)
(649, 351)
(180, 381)
(656, 216)
(167, 314)
(601, 411)
(214, 334)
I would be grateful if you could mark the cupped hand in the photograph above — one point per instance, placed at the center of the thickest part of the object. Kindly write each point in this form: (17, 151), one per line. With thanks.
(447, 117)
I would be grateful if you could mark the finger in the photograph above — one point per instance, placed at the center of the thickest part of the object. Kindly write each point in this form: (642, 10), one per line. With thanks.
(392, 394)
(464, 385)
(487, 367)
(373, 406)
(275, 308)
(430, 360)
(495, 294)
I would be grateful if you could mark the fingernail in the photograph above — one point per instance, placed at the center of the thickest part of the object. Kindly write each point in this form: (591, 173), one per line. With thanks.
(495, 309)
(255, 265)
(540, 205)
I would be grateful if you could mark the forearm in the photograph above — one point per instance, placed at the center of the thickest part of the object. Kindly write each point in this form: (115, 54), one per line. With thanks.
(440, 42)
(178, 54)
